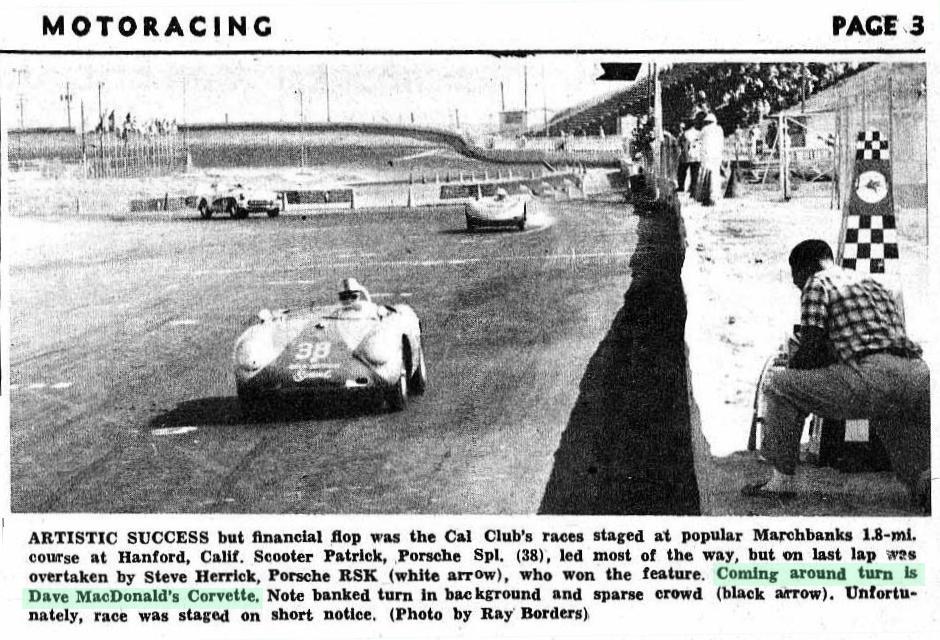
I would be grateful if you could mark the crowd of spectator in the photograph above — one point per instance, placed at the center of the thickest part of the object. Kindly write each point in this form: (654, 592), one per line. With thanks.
(153, 127)
(738, 96)
(741, 94)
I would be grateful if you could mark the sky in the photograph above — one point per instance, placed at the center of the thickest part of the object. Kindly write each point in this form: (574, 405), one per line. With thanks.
(267, 88)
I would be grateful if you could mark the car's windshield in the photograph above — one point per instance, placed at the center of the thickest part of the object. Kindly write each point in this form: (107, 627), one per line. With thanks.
(355, 311)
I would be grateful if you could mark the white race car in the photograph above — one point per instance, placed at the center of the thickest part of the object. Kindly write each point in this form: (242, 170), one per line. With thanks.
(237, 201)
(353, 347)
(502, 210)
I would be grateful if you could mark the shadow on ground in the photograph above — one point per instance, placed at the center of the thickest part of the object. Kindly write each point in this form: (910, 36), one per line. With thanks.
(627, 448)
(227, 411)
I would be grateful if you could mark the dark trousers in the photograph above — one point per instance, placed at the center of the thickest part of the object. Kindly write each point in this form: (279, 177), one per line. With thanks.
(690, 168)
(893, 393)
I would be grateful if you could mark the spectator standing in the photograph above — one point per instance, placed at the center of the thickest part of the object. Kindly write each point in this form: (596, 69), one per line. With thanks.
(683, 167)
(713, 147)
(692, 138)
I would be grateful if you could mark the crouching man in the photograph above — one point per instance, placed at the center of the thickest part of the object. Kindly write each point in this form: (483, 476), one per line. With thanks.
(854, 361)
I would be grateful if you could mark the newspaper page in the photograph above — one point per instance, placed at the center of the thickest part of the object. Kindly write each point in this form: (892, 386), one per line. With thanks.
(483, 319)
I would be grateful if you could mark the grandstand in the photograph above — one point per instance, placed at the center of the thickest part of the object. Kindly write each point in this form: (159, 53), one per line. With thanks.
(605, 113)
(739, 95)
(601, 113)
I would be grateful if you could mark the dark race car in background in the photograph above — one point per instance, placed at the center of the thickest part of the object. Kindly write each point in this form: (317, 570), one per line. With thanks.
(237, 201)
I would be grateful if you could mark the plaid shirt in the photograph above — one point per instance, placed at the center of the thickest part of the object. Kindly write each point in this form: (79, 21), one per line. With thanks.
(857, 313)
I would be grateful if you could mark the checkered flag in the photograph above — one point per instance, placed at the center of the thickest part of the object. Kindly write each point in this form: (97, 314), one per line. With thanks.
(869, 241)
(871, 146)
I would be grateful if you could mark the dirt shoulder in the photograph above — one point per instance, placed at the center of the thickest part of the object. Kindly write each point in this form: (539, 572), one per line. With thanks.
(740, 305)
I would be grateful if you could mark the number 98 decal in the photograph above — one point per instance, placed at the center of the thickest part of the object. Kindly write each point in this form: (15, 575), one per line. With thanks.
(312, 351)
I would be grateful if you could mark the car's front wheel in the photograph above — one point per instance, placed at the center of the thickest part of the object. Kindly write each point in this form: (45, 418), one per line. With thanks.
(419, 379)
(235, 211)
(273, 213)
(205, 212)
(397, 395)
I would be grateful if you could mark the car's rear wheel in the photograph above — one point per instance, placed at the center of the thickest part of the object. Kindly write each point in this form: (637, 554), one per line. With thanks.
(273, 213)
(419, 379)
(205, 212)
(231, 209)
(471, 224)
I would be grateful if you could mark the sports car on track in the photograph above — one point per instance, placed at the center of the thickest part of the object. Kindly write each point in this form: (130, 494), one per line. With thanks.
(502, 210)
(237, 201)
(353, 347)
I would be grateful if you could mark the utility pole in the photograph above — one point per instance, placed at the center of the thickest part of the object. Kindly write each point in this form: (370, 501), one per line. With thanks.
(658, 124)
(82, 104)
(84, 149)
(185, 122)
(544, 102)
(803, 73)
(19, 85)
(327, 73)
(303, 142)
(100, 113)
(67, 99)
(525, 90)
(100, 128)
(457, 118)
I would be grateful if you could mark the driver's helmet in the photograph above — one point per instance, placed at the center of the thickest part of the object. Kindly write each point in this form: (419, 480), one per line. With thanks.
(353, 292)
(501, 194)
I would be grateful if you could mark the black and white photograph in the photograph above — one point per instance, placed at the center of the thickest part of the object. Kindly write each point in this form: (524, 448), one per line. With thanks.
(467, 284)
(447, 319)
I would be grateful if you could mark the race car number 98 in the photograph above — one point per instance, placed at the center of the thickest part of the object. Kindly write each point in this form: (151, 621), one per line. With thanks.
(312, 351)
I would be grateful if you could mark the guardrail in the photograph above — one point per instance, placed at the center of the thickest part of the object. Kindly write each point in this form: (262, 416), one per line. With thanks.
(325, 198)
(395, 194)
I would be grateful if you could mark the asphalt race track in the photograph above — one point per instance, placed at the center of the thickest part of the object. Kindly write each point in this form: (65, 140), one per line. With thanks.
(123, 399)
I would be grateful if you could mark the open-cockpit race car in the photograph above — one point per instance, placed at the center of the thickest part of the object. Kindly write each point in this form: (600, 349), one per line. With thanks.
(353, 347)
(502, 210)
(237, 201)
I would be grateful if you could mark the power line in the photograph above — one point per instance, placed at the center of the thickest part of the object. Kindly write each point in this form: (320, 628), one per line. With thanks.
(67, 98)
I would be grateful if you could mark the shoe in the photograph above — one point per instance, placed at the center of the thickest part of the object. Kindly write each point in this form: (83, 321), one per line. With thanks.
(757, 490)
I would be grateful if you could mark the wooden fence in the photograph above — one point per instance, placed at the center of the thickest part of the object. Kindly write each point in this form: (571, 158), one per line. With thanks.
(111, 156)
